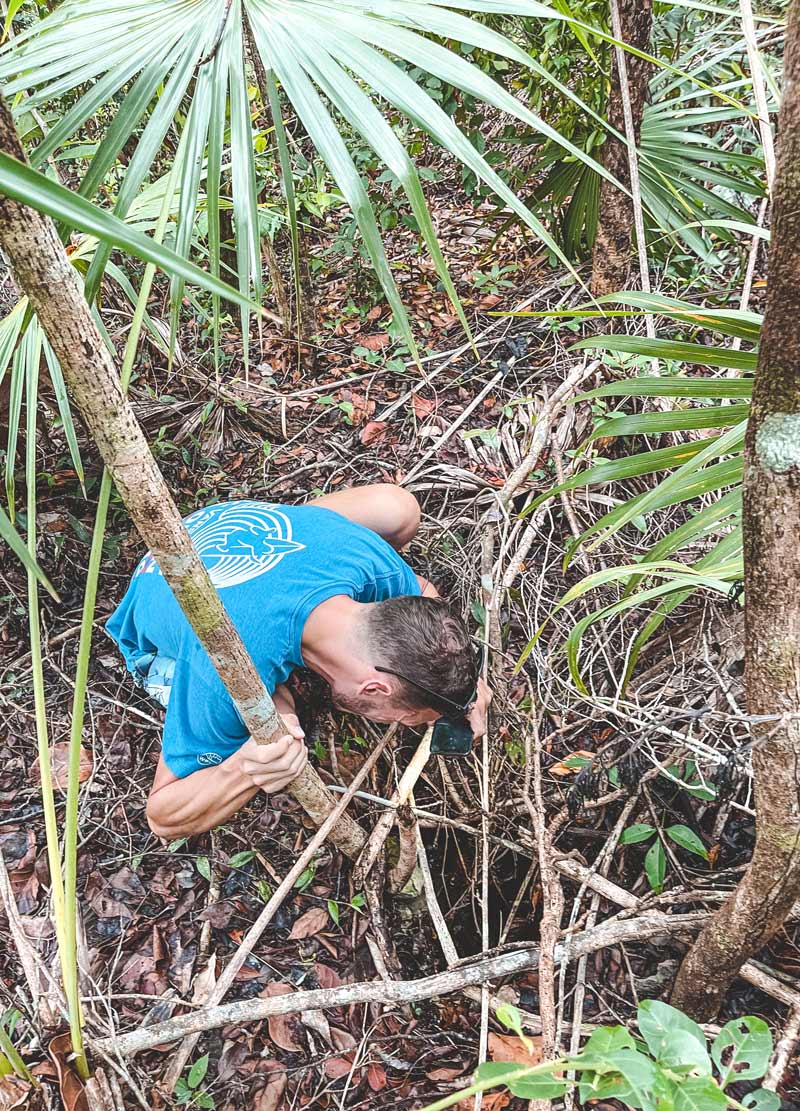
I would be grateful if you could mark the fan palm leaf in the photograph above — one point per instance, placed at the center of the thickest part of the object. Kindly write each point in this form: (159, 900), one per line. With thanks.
(709, 468)
(332, 61)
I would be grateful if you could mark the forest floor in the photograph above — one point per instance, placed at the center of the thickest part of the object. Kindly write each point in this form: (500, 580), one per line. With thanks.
(157, 917)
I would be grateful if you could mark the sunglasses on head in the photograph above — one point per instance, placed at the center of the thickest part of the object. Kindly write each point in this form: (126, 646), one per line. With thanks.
(452, 733)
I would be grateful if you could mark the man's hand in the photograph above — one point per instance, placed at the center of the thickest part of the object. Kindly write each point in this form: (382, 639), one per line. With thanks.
(272, 767)
(477, 715)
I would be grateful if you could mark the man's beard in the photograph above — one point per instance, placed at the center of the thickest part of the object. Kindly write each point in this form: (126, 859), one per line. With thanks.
(362, 706)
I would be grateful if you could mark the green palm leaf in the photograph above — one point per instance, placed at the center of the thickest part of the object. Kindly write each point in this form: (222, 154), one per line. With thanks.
(162, 53)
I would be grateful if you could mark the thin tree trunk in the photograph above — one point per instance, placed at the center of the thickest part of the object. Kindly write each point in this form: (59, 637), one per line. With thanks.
(771, 514)
(611, 257)
(42, 271)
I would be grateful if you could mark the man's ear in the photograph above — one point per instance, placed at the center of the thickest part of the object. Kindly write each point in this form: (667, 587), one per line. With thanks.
(377, 684)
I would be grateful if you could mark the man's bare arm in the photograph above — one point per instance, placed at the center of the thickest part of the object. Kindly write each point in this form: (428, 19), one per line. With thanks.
(389, 510)
(198, 802)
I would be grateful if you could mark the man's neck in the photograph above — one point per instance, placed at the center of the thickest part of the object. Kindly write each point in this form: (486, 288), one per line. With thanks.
(331, 634)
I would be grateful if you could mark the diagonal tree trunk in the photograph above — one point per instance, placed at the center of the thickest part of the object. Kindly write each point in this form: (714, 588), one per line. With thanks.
(42, 271)
(611, 257)
(771, 514)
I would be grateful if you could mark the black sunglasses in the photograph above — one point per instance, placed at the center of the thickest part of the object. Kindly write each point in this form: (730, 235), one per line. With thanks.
(452, 733)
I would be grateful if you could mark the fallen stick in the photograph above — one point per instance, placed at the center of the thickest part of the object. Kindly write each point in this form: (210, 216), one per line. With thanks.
(643, 928)
(783, 1051)
(383, 826)
(750, 971)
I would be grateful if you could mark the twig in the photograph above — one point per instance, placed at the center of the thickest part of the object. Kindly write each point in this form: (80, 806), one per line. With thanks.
(750, 971)
(487, 592)
(384, 824)
(633, 161)
(456, 424)
(783, 1051)
(209, 55)
(552, 894)
(643, 928)
(531, 1022)
(401, 873)
(759, 89)
(541, 431)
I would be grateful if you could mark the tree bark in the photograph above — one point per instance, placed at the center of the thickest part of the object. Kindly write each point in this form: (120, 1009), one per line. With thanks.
(42, 271)
(771, 516)
(611, 256)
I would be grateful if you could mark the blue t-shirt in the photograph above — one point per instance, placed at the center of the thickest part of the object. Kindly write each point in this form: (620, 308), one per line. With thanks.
(272, 564)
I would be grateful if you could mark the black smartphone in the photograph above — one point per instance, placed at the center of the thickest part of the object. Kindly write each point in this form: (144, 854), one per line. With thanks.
(452, 736)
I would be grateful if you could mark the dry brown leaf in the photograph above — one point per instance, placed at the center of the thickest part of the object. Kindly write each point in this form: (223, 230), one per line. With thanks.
(59, 764)
(373, 431)
(282, 1027)
(271, 1097)
(376, 1077)
(13, 1092)
(309, 923)
(561, 768)
(445, 1073)
(327, 977)
(375, 342)
(423, 406)
(492, 1101)
(337, 1067)
(73, 1094)
(508, 1047)
(342, 1039)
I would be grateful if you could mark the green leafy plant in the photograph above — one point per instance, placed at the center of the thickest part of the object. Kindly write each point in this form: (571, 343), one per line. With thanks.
(188, 1091)
(351, 54)
(710, 467)
(669, 1068)
(689, 176)
(655, 862)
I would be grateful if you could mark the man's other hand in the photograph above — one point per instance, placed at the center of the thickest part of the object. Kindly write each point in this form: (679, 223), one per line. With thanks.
(273, 767)
(477, 715)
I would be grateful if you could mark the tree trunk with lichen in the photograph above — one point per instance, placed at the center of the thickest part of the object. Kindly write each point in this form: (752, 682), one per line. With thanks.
(771, 515)
(611, 257)
(42, 271)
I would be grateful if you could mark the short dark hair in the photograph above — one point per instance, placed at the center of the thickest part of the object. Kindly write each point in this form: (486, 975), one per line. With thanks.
(426, 641)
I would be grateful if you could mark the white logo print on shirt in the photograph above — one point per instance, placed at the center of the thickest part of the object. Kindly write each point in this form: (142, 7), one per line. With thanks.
(237, 543)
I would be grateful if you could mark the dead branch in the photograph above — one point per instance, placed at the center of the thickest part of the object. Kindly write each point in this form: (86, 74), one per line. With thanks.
(643, 928)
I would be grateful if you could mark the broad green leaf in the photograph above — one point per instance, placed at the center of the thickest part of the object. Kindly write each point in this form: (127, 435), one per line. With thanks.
(687, 839)
(647, 462)
(762, 1099)
(622, 1073)
(699, 1093)
(673, 350)
(333, 911)
(675, 1040)
(238, 860)
(203, 867)
(742, 1049)
(608, 1039)
(673, 387)
(635, 833)
(510, 1017)
(675, 420)
(655, 866)
(197, 1072)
